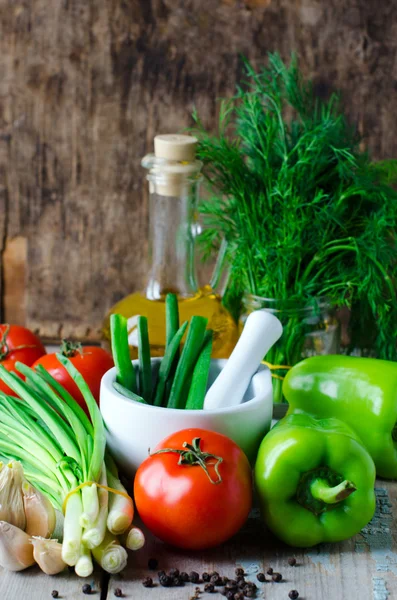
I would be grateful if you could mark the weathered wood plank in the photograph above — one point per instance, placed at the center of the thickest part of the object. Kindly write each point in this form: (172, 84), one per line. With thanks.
(364, 567)
(34, 584)
(84, 86)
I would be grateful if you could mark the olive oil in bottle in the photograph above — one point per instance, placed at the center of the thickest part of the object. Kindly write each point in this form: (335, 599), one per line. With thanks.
(174, 178)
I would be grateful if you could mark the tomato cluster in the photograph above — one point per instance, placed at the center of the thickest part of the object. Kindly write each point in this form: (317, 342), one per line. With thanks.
(18, 344)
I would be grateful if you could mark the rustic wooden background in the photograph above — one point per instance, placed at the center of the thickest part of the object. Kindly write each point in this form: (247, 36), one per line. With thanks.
(84, 87)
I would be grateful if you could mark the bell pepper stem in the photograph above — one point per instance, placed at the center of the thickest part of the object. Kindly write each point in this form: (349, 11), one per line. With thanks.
(321, 490)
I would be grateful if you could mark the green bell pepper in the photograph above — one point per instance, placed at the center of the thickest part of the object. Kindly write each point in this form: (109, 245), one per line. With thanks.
(315, 481)
(362, 392)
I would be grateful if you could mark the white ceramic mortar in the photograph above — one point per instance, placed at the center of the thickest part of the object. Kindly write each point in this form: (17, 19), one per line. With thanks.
(133, 428)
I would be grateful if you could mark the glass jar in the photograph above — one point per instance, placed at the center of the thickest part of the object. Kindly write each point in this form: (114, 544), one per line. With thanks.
(308, 329)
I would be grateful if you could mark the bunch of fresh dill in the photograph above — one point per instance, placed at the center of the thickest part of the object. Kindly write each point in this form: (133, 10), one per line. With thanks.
(305, 212)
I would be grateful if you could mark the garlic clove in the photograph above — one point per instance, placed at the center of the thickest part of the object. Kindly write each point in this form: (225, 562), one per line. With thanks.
(40, 514)
(48, 555)
(16, 550)
(11, 501)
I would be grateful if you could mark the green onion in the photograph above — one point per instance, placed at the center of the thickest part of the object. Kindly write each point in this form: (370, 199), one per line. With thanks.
(187, 361)
(95, 535)
(110, 555)
(171, 318)
(127, 393)
(121, 509)
(125, 373)
(84, 566)
(167, 364)
(198, 386)
(145, 366)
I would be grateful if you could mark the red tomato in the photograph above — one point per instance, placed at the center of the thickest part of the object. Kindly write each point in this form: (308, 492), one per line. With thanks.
(181, 505)
(18, 344)
(91, 361)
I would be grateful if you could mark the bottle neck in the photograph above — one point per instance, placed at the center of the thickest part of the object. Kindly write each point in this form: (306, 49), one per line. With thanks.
(172, 224)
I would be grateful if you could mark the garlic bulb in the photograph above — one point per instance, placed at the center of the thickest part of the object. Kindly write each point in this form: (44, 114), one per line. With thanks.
(11, 502)
(16, 551)
(39, 512)
(48, 555)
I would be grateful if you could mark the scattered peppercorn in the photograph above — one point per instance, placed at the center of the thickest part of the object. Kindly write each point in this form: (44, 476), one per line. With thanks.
(209, 588)
(293, 594)
(184, 576)
(241, 583)
(230, 595)
(231, 583)
(177, 581)
(277, 577)
(239, 596)
(239, 572)
(214, 574)
(195, 577)
(174, 573)
(118, 593)
(225, 580)
(206, 576)
(292, 562)
(261, 577)
(249, 592)
(216, 580)
(147, 582)
(269, 571)
(160, 574)
(152, 564)
(165, 581)
(55, 594)
(87, 589)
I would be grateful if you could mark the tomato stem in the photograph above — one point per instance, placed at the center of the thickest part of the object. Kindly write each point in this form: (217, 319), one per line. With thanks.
(69, 348)
(194, 456)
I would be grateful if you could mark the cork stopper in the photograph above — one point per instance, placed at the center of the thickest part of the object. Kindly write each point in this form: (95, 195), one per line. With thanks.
(175, 147)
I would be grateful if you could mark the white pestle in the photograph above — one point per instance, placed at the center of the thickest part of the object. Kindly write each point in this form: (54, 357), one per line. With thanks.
(261, 331)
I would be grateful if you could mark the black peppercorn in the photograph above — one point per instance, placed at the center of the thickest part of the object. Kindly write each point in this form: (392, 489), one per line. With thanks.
(293, 594)
(55, 594)
(239, 596)
(152, 564)
(231, 583)
(277, 577)
(147, 582)
(216, 580)
(269, 571)
(118, 593)
(161, 574)
(241, 583)
(206, 576)
(195, 577)
(214, 574)
(249, 592)
(239, 572)
(225, 580)
(165, 581)
(86, 589)
(177, 581)
(292, 562)
(184, 576)
(209, 588)
(174, 573)
(261, 577)
(230, 595)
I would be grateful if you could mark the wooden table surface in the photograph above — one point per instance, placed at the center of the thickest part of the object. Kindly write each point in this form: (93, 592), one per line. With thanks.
(364, 567)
